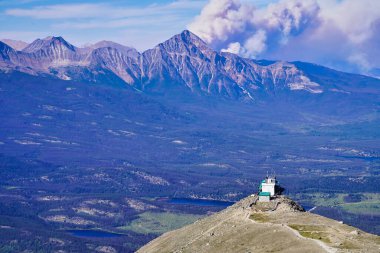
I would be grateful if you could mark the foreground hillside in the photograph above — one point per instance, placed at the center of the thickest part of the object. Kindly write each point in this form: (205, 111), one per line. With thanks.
(248, 226)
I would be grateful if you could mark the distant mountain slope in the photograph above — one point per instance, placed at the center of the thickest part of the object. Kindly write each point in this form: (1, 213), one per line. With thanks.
(129, 51)
(182, 62)
(15, 44)
(75, 112)
(242, 228)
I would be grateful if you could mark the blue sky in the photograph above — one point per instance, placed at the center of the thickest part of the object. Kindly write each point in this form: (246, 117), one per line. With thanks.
(141, 24)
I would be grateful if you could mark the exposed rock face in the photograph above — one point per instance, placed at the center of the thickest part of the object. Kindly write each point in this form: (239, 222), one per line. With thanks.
(118, 62)
(183, 61)
(244, 227)
(52, 52)
(57, 43)
(7, 54)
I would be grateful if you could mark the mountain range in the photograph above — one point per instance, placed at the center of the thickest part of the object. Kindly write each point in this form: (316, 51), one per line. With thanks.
(182, 62)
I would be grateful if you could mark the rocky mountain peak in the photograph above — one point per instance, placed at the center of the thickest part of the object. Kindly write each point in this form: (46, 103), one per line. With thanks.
(34, 46)
(185, 42)
(48, 42)
(190, 37)
(61, 41)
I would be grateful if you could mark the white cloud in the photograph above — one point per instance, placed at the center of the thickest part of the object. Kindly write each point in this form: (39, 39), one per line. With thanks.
(233, 48)
(337, 33)
(221, 18)
(255, 44)
(361, 60)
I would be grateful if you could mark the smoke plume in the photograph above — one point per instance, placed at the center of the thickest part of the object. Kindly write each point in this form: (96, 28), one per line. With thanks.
(344, 34)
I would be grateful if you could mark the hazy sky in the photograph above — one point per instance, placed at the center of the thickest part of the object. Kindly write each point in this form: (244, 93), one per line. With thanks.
(343, 34)
(141, 23)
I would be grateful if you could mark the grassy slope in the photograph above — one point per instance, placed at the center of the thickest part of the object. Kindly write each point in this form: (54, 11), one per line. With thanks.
(158, 223)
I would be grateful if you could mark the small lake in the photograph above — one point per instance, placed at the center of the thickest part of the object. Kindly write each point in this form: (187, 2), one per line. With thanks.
(93, 233)
(200, 202)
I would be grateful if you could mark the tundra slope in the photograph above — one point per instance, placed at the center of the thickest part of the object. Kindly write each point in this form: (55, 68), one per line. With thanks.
(242, 228)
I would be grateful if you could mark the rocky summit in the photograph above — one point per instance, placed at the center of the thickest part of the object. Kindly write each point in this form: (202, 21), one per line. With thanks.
(277, 226)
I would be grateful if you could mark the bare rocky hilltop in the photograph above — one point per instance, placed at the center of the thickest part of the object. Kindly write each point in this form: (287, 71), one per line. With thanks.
(276, 226)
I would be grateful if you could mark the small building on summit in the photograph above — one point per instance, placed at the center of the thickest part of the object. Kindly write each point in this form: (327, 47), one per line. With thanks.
(264, 196)
(269, 185)
(268, 189)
